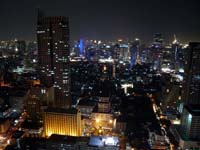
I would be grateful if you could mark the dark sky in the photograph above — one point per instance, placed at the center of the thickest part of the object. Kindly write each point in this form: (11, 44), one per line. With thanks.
(105, 19)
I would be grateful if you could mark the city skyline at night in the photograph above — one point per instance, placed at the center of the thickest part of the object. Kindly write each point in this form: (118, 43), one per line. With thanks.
(100, 75)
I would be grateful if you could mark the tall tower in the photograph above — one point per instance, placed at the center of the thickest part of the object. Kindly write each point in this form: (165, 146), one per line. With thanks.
(53, 56)
(134, 51)
(192, 83)
(190, 121)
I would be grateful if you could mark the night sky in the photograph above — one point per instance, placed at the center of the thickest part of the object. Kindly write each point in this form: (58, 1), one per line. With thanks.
(105, 19)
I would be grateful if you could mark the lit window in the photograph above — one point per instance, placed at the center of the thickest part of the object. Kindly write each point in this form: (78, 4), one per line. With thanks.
(43, 91)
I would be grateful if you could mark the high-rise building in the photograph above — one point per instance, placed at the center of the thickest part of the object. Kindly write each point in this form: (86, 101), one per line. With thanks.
(188, 133)
(53, 56)
(33, 108)
(155, 51)
(134, 51)
(62, 121)
(192, 82)
(191, 121)
(121, 51)
(21, 46)
(158, 38)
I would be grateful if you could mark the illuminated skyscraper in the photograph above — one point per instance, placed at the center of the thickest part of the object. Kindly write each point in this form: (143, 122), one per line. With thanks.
(53, 52)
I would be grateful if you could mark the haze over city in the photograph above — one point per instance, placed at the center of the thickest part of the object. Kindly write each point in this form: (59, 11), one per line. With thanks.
(106, 19)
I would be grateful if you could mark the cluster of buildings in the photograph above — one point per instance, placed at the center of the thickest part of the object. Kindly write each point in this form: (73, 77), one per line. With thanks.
(113, 79)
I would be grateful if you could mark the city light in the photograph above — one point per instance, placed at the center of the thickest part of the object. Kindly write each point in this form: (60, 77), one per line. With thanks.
(100, 80)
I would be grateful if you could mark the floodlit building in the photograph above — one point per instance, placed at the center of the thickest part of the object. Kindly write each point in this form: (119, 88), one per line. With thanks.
(62, 121)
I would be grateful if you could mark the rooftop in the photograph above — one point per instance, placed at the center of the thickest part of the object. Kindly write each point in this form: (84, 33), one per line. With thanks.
(86, 102)
(62, 110)
(193, 109)
(67, 139)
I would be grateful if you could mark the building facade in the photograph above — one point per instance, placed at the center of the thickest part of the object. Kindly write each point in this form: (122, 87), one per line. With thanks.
(192, 82)
(62, 122)
(53, 53)
(189, 131)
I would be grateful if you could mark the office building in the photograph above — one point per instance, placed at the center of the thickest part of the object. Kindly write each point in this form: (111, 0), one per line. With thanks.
(33, 107)
(134, 51)
(192, 71)
(53, 53)
(188, 134)
(62, 121)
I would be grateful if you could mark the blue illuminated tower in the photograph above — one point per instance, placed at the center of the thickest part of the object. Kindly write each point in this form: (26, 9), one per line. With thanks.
(81, 48)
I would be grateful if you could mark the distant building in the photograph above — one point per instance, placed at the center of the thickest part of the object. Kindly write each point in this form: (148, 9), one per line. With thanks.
(101, 114)
(104, 105)
(62, 121)
(134, 51)
(121, 51)
(21, 46)
(53, 56)
(86, 107)
(158, 38)
(155, 51)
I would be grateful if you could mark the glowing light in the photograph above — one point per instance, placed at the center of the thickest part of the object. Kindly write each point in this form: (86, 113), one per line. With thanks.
(99, 42)
(120, 40)
(34, 61)
(49, 133)
(137, 39)
(104, 68)
(190, 116)
(16, 49)
(176, 122)
(8, 141)
(110, 141)
(97, 120)
(81, 47)
(109, 60)
(181, 70)
(126, 86)
(185, 46)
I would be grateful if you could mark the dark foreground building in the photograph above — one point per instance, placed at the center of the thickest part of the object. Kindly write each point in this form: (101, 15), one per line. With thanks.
(53, 53)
